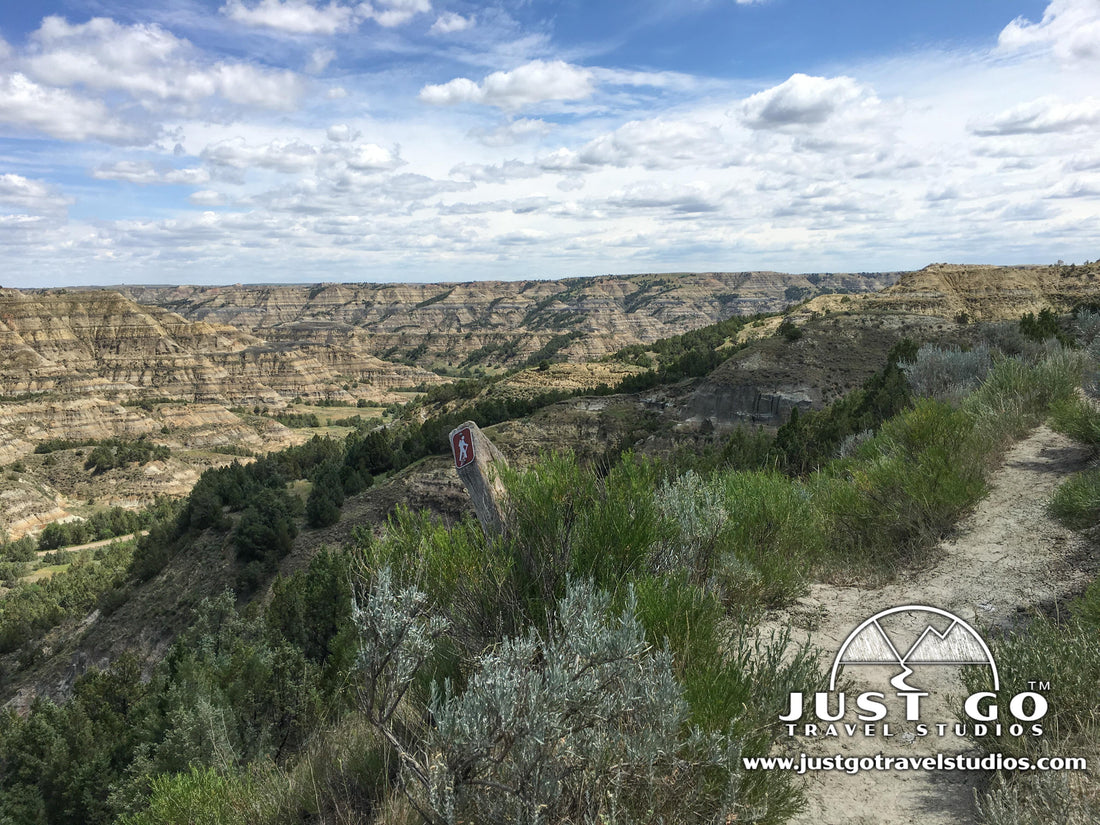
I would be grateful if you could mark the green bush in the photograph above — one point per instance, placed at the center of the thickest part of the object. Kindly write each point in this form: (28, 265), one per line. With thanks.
(1043, 326)
(1076, 502)
(469, 579)
(790, 331)
(1078, 419)
(1017, 394)
(201, 796)
(18, 550)
(947, 374)
(584, 722)
(773, 539)
(1065, 654)
(12, 571)
(32, 609)
(266, 530)
(900, 491)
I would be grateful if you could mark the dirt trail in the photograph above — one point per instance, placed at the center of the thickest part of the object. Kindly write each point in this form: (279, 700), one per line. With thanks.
(75, 548)
(1007, 557)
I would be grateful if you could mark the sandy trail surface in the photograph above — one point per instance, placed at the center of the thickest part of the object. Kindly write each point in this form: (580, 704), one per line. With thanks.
(1006, 558)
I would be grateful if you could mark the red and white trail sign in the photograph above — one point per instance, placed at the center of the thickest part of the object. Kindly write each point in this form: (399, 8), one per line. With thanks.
(462, 443)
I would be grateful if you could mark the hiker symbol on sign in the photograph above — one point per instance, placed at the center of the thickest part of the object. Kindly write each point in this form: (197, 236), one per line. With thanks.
(462, 442)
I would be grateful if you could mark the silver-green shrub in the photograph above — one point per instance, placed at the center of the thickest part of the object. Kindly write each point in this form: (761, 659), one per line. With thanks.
(585, 723)
(1086, 327)
(947, 374)
(695, 508)
(852, 442)
(397, 635)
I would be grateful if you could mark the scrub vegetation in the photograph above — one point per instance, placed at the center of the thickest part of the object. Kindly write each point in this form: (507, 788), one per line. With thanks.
(597, 662)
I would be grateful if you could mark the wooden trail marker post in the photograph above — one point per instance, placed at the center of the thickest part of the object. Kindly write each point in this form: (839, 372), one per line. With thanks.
(475, 456)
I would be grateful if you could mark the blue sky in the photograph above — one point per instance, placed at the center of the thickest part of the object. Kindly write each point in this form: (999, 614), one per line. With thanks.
(295, 140)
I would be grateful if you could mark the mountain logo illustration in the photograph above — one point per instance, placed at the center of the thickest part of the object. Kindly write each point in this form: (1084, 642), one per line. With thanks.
(941, 638)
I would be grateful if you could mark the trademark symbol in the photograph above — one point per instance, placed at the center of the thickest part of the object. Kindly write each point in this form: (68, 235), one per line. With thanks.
(1038, 685)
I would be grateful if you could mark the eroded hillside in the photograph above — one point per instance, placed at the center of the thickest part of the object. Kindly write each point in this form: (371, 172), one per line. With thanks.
(100, 343)
(494, 322)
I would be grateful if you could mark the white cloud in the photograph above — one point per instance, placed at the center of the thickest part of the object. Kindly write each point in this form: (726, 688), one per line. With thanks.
(319, 60)
(144, 172)
(692, 198)
(397, 12)
(294, 16)
(1085, 186)
(658, 80)
(450, 22)
(497, 172)
(368, 157)
(340, 133)
(657, 144)
(801, 100)
(532, 83)
(32, 195)
(279, 155)
(296, 156)
(60, 114)
(677, 172)
(513, 132)
(1042, 116)
(150, 62)
(207, 197)
(1070, 29)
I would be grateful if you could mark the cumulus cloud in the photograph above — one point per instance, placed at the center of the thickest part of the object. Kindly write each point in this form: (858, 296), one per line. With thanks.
(145, 173)
(450, 22)
(340, 133)
(1042, 116)
(1070, 29)
(656, 144)
(296, 156)
(303, 17)
(679, 199)
(513, 132)
(367, 157)
(294, 16)
(397, 12)
(60, 114)
(801, 100)
(30, 195)
(207, 197)
(149, 62)
(1087, 187)
(496, 172)
(279, 155)
(532, 83)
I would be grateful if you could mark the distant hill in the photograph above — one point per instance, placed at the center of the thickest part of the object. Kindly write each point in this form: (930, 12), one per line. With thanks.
(497, 323)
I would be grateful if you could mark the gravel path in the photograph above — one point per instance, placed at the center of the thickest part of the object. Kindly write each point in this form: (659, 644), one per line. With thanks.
(1006, 558)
